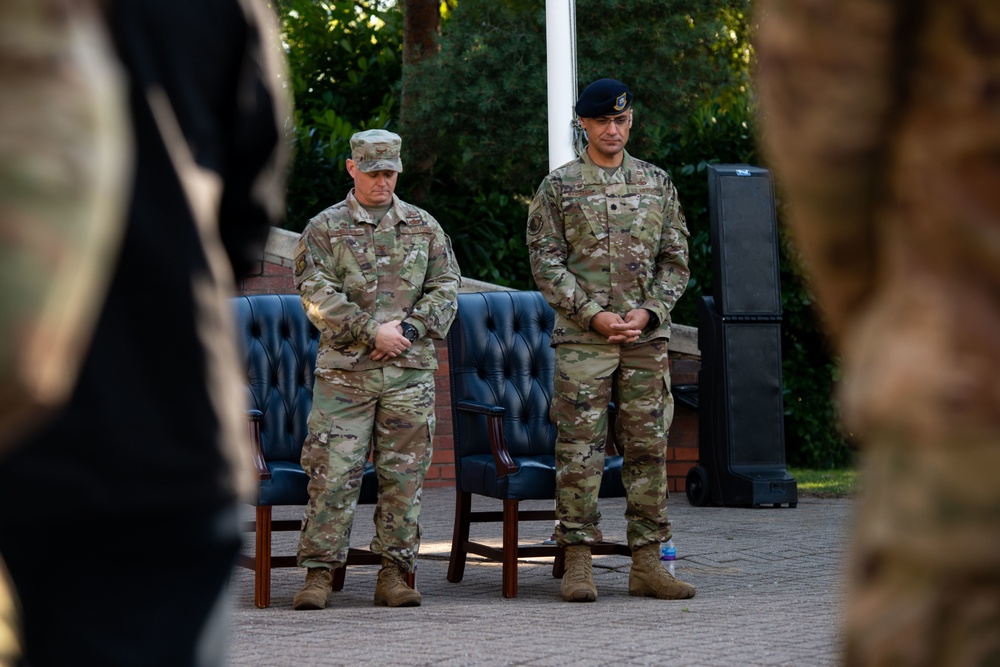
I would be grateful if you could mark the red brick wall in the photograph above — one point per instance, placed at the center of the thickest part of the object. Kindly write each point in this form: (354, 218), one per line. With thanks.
(270, 279)
(682, 454)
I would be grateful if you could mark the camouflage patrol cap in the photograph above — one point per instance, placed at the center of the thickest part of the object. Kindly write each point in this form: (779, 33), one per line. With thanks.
(604, 97)
(376, 150)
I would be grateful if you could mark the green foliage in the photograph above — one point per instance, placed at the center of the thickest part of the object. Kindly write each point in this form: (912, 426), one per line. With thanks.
(713, 134)
(486, 120)
(480, 230)
(345, 66)
(343, 55)
(488, 116)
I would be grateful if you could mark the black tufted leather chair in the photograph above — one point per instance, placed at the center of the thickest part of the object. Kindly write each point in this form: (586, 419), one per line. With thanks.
(279, 343)
(501, 370)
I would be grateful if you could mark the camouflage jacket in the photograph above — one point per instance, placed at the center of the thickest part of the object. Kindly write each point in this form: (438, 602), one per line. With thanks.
(353, 276)
(614, 243)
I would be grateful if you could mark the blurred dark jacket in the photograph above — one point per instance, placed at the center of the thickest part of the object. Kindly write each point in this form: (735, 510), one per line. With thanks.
(154, 424)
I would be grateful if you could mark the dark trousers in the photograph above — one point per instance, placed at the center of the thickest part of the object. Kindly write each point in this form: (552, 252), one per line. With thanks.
(148, 593)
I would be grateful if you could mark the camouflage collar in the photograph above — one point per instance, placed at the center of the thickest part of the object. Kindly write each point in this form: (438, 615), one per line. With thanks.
(361, 215)
(596, 174)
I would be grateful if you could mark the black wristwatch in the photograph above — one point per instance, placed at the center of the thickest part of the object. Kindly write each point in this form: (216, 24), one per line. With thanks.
(409, 332)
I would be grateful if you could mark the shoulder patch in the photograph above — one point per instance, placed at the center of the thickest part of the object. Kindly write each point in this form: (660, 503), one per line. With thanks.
(300, 264)
(535, 223)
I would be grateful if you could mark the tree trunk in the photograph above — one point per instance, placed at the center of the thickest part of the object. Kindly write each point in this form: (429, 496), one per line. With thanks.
(421, 27)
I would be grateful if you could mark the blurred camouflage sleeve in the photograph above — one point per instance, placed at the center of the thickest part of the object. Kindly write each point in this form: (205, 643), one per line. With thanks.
(64, 174)
(827, 80)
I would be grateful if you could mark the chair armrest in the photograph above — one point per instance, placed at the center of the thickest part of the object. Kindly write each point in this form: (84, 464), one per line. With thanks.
(494, 426)
(256, 450)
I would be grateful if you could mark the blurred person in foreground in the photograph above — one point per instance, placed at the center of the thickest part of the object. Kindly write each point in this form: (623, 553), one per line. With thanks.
(64, 150)
(882, 123)
(607, 241)
(119, 511)
(379, 279)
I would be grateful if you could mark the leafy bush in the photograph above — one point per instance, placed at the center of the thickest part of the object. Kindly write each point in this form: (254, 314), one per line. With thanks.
(345, 67)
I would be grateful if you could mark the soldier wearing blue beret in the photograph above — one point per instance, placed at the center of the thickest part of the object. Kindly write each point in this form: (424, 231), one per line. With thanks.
(608, 247)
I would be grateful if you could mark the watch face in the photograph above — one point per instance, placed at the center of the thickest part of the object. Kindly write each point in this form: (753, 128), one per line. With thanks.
(410, 333)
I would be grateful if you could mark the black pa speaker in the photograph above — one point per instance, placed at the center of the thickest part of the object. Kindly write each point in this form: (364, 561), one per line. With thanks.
(741, 433)
(744, 241)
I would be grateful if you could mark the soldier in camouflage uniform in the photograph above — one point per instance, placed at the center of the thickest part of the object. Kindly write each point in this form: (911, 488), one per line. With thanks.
(882, 124)
(608, 248)
(379, 279)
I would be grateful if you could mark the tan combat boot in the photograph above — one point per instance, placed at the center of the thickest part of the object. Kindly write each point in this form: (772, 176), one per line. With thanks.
(578, 579)
(391, 589)
(316, 591)
(649, 578)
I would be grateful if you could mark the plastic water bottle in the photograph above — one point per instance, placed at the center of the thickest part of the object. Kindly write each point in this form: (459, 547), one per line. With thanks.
(668, 554)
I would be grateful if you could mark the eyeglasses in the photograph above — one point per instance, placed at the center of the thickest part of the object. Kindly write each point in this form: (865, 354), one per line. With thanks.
(621, 122)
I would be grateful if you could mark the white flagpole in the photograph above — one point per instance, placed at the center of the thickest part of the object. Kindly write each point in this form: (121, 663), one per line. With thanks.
(560, 34)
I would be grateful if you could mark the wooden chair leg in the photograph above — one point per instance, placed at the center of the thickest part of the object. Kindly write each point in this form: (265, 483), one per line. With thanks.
(339, 574)
(559, 565)
(510, 548)
(463, 516)
(262, 558)
(411, 579)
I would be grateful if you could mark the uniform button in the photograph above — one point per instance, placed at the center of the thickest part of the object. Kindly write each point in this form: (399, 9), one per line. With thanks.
(614, 207)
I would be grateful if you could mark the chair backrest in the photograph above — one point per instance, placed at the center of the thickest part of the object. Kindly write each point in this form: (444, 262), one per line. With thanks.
(499, 353)
(279, 346)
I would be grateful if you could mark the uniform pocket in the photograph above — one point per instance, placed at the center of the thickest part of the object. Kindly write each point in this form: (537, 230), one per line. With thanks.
(590, 205)
(416, 240)
(647, 225)
(354, 253)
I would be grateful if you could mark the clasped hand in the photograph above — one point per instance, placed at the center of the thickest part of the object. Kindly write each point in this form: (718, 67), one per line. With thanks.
(620, 330)
(389, 341)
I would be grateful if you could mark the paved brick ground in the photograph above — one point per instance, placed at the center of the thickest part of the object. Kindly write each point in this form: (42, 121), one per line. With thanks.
(769, 581)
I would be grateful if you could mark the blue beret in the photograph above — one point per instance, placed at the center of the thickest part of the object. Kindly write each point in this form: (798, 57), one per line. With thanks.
(604, 97)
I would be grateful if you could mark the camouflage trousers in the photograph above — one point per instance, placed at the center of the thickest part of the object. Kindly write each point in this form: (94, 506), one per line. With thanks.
(388, 412)
(586, 377)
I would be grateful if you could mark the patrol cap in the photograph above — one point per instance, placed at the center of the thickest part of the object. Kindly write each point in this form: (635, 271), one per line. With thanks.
(604, 97)
(376, 150)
